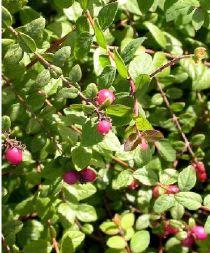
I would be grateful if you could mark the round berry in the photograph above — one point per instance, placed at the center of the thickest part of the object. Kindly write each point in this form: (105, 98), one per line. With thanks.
(199, 233)
(202, 176)
(133, 185)
(88, 175)
(169, 230)
(14, 155)
(156, 191)
(172, 189)
(71, 177)
(105, 95)
(199, 166)
(188, 241)
(103, 126)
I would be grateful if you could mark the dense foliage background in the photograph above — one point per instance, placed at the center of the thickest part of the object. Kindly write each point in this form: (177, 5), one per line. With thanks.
(56, 56)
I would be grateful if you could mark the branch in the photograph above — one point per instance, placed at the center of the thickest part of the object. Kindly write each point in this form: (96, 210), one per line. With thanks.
(53, 238)
(176, 121)
(5, 245)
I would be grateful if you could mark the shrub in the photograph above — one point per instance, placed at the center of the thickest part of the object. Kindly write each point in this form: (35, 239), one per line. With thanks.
(105, 126)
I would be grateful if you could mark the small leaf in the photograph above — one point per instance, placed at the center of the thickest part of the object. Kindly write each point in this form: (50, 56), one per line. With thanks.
(81, 152)
(129, 51)
(75, 74)
(119, 110)
(66, 244)
(146, 176)
(86, 213)
(61, 56)
(100, 38)
(187, 179)
(198, 18)
(207, 225)
(6, 123)
(66, 212)
(163, 203)
(116, 242)
(190, 200)
(120, 65)
(169, 176)
(109, 228)
(27, 43)
(127, 220)
(107, 14)
(82, 45)
(166, 150)
(43, 78)
(132, 142)
(157, 34)
(207, 201)
(144, 6)
(124, 178)
(140, 241)
(6, 17)
(143, 124)
(107, 77)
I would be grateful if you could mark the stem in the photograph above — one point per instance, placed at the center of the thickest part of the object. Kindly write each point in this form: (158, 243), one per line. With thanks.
(170, 63)
(54, 241)
(5, 245)
(205, 208)
(176, 121)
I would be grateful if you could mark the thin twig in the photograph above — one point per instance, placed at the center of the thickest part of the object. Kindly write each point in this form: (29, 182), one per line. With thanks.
(5, 245)
(54, 241)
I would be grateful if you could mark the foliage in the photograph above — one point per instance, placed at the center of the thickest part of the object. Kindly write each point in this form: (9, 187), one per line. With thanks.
(56, 56)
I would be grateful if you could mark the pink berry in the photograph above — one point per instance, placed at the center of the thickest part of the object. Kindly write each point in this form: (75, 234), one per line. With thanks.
(188, 241)
(14, 156)
(103, 126)
(156, 192)
(133, 185)
(172, 189)
(199, 166)
(144, 144)
(104, 95)
(71, 177)
(169, 230)
(202, 177)
(199, 233)
(88, 175)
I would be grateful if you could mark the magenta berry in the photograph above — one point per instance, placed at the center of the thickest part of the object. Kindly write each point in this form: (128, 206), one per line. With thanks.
(71, 177)
(103, 126)
(202, 177)
(87, 175)
(199, 233)
(201, 171)
(133, 185)
(14, 155)
(172, 189)
(188, 241)
(105, 95)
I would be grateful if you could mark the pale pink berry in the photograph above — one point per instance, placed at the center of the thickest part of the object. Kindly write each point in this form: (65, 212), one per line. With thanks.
(105, 95)
(199, 233)
(71, 177)
(144, 144)
(87, 175)
(188, 241)
(103, 126)
(133, 185)
(172, 189)
(14, 155)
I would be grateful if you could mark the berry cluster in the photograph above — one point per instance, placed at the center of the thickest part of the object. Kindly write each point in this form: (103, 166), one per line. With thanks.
(194, 234)
(164, 189)
(84, 176)
(104, 97)
(200, 171)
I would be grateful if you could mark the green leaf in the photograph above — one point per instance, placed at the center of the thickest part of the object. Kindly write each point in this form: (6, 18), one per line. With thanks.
(166, 150)
(143, 124)
(61, 56)
(119, 110)
(129, 51)
(107, 77)
(163, 203)
(27, 43)
(120, 65)
(109, 228)
(198, 18)
(124, 178)
(84, 191)
(157, 34)
(63, 4)
(169, 176)
(190, 200)
(40, 246)
(6, 17)
(177, 211)
(143, 221)
(75, 74)
(65, 93)
(100, 38)
(141, 64)
(86, 213)
(76, 237)
(43, 78)
(6, 123)
(187, 179)
(127, 220)
(66, 244)
(111, 142)
(159, 60)
(81, 157)
(91, 90)
(146, 176)
(140, 241)
(66, 212)
(14, 55)
(82, 45)
(90, 136)
(107, 14)
(144, 6)
(207, 201)
(116, 242)
(207, 225)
